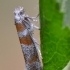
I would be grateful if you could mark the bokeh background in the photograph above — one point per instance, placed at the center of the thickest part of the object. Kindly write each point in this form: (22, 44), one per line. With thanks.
(11, 56)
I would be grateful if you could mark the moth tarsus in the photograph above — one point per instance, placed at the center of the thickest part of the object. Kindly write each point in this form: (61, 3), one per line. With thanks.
(29, 48)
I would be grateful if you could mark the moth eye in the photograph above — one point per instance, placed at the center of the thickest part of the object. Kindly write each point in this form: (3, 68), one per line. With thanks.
(21, 13)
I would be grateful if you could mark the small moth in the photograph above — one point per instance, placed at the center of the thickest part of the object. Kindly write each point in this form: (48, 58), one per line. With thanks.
(25, 30)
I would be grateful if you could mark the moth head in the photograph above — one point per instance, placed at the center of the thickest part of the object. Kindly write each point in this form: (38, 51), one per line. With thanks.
(19, 14)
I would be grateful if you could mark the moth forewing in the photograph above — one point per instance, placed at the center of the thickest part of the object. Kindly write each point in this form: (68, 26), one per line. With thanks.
(24, 29)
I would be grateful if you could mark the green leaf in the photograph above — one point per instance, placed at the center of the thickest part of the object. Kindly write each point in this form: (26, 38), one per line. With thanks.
(55, 35)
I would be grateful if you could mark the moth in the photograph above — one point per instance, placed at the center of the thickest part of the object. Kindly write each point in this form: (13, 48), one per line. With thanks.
(28, 43)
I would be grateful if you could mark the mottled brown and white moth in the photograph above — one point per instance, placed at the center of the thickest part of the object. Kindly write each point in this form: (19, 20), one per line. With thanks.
(29, 48)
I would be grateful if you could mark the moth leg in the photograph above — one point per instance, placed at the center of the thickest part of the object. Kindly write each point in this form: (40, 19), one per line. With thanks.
(36, 27)
(36, 41)
(39, 51)
(32, 18)
(35, 20)
(35, 17)
(37, 47)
